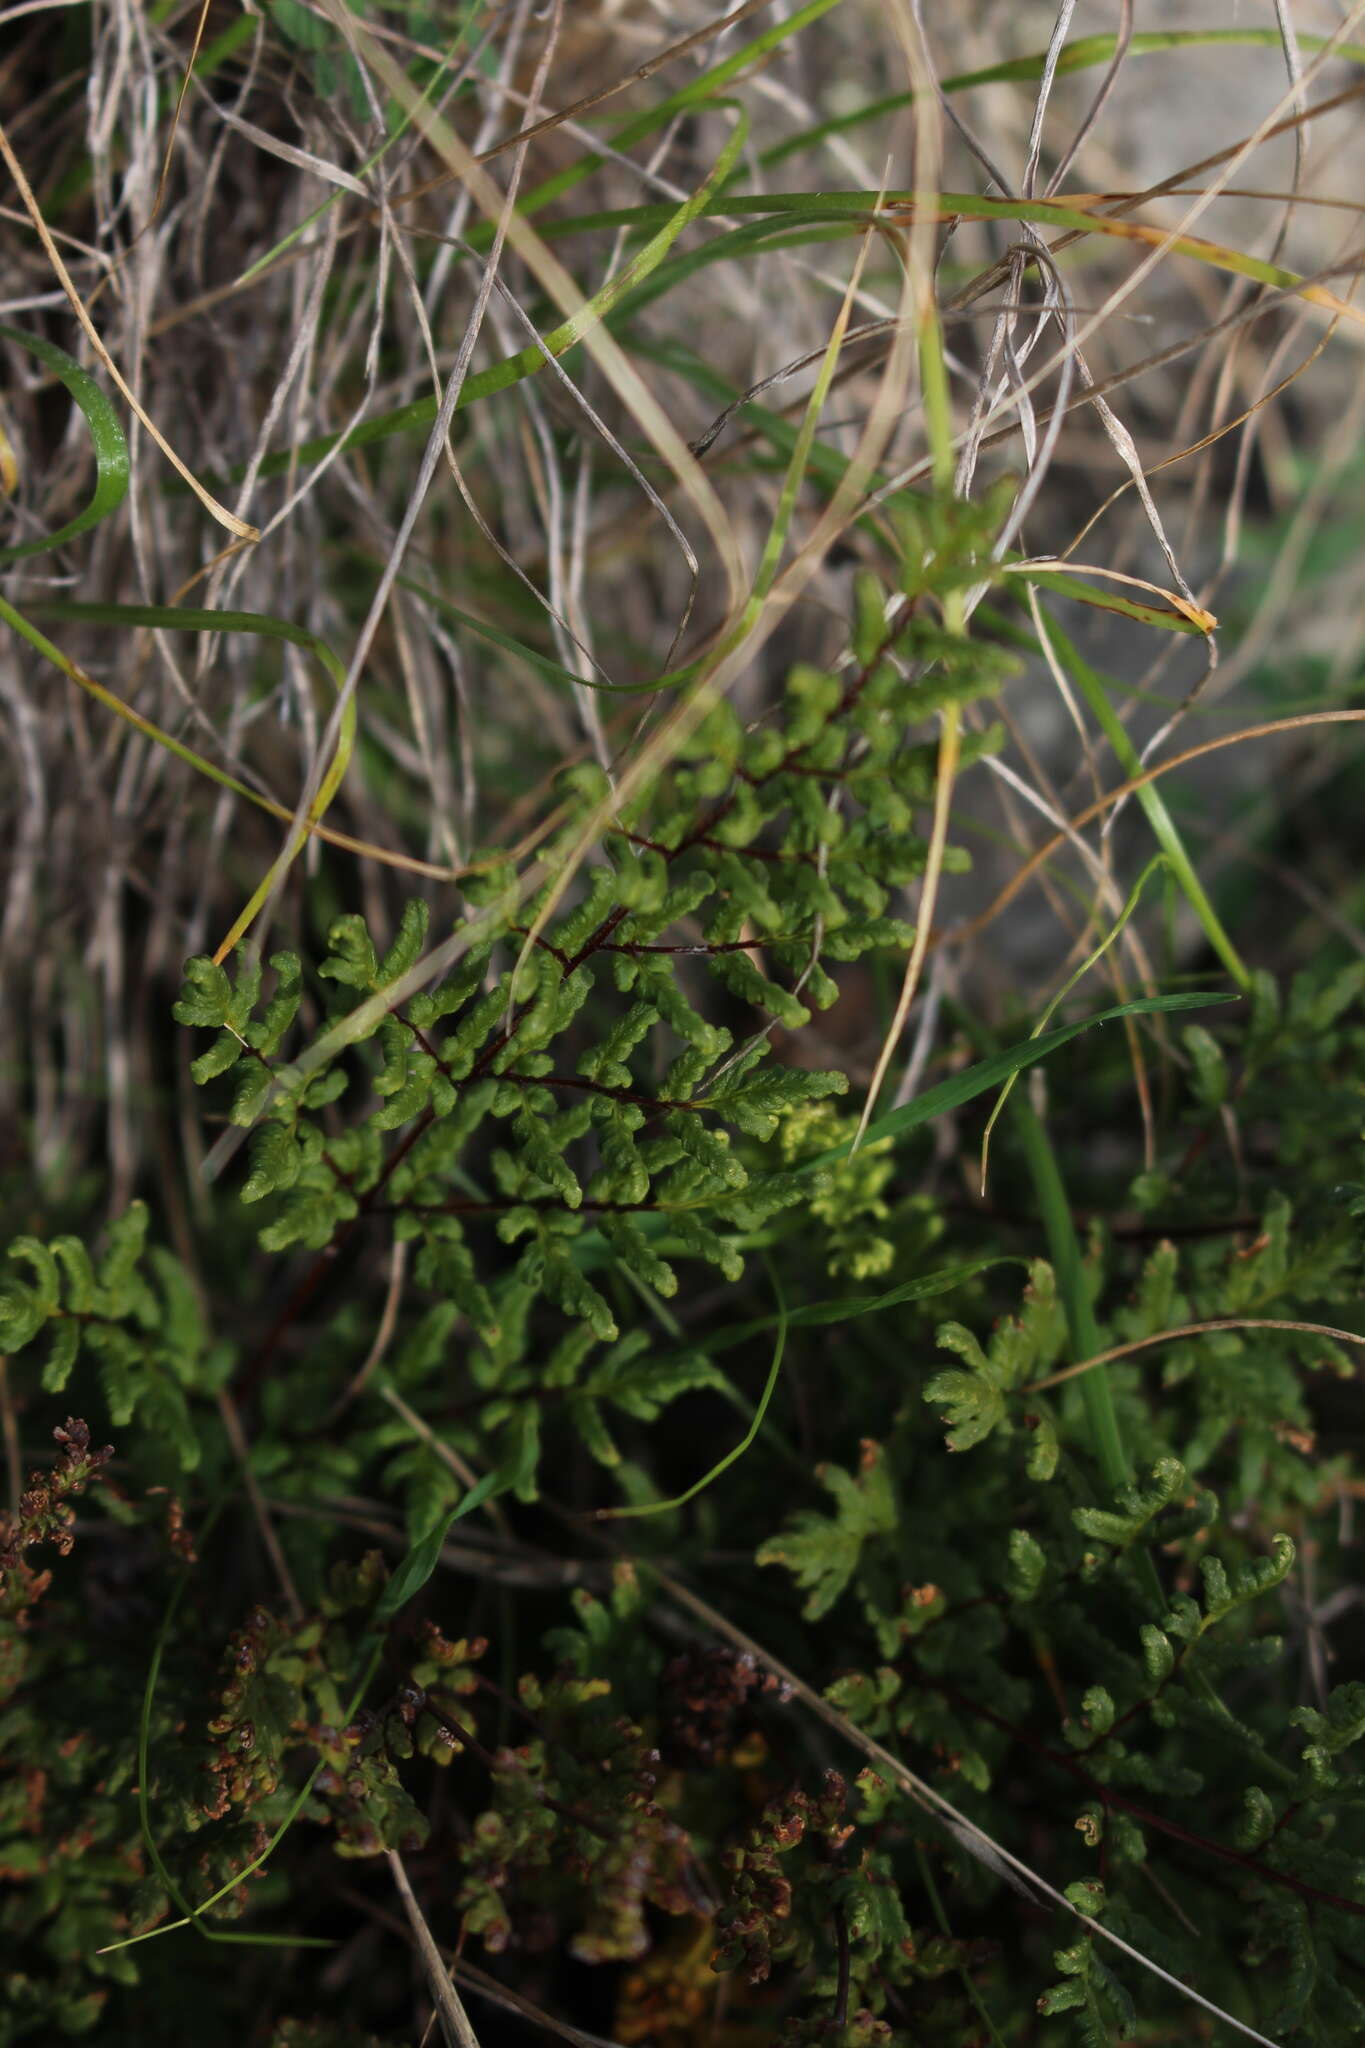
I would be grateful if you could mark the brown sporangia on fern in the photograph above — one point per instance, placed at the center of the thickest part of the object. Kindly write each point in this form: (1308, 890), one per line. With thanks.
(46, 1514)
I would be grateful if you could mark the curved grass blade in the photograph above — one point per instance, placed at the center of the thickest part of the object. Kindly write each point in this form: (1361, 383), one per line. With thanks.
(1157, 864)
(412, 1572)
(814, 214)
(543, 664)
(988, 1073)
(596, 311)
(418, 1563)
(186, 618)
(148, 727)
(663, 1507)
(1082, 55)
(1176, 616)
(144, 1738)
(194, 1916)
(815, 1315)
(106, 436)
(240, 528)
(1164, 829)
(367, 849)
(686, 100)
(1073, 215)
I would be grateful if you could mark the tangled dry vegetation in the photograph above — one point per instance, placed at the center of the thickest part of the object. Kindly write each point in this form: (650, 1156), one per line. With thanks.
(624, 599)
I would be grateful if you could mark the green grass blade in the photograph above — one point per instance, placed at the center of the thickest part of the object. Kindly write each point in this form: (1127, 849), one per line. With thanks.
(185, 618)
(1164, 829)
(418, 1563)
(806, 212)
(1083, 55)
(190, 619)
(669, 223)
(150, 730)
(144, 1738)
(816, 1315)
(552, 671)
(998, 1067)
(1082, 1329)
(663, 1507)
(1154, 866)
(107, 439)
(1067, 583)
(296, 1807)
(687, 99)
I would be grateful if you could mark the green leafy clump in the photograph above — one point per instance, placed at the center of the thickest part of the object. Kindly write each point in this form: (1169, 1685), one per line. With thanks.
(134, 1311)
(985, 1614)
(584, 1110)
(614, 1518)
(576, 1102)
(455, 1539)
(558, 1140)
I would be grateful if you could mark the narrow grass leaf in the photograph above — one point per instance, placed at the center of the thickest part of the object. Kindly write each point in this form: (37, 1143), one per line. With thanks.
(1164, 829)
(814, 1315)
(418, 1563)
(1084, 54)
(987, 1073)
(187, 619)
(663, 1507)
(106, 436)
(1156, 865)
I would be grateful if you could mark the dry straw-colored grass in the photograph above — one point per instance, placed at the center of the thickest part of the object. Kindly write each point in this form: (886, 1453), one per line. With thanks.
(261, 274)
